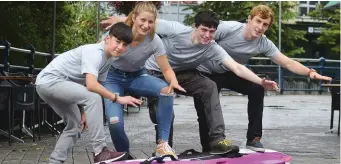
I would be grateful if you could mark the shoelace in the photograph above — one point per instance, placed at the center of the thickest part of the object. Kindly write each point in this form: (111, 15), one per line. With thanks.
(225, 142)
(168, 148)
(257, 139)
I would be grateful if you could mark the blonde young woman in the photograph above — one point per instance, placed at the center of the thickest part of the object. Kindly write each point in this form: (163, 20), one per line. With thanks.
(127, 74)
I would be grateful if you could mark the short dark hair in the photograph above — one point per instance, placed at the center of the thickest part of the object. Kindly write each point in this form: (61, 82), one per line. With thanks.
(206, 18)
(122, 32)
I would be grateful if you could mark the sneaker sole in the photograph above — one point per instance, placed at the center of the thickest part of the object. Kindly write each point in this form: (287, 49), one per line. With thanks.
(123, 156)
(233, 149)
(221, 152)
(260, 150)
(159, 155)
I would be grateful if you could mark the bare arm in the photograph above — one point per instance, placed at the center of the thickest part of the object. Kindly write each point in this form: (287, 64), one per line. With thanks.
(245, 73)
(165, 68)
(290, 64)
(168, 72)
(242, 71)
(94, 86)
(297, 67)
(106, 24)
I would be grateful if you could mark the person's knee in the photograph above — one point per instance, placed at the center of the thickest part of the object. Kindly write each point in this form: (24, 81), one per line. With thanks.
(114, 120)
(209, 87)
(165, 92)
(257, 90)
(165, 96)
(72, 130)
(94, 97)
(115, 124)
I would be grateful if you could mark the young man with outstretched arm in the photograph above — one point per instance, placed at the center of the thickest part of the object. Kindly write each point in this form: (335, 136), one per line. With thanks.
(243, 41)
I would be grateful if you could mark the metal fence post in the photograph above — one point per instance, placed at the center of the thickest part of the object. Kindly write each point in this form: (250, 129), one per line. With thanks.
(31, 60)
(322, 67)
(6, 54)
(280, 79)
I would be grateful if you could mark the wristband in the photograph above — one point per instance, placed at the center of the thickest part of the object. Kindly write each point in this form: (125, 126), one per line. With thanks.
(310, 71)
(116, 97)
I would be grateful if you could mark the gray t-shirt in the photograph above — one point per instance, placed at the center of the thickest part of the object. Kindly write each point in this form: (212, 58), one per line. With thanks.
(229, 36)
(72, 65)
(135, 58)
(181, 52)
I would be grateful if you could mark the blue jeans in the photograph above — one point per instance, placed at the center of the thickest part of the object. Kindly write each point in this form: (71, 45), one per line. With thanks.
(138, 83)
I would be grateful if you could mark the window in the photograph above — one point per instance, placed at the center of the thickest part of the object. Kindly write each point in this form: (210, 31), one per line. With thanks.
(303, 2)
(324, 2)
(303, 11)
(311, 9)
(313, 2)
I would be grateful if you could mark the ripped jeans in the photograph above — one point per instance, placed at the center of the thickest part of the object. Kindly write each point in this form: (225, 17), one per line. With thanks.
(138, 83)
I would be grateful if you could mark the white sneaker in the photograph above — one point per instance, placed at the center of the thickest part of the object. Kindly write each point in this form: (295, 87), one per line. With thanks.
(164, 149)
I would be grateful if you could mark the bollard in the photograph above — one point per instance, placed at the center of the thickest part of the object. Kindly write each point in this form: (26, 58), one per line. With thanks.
(31, 60)
(6, 54)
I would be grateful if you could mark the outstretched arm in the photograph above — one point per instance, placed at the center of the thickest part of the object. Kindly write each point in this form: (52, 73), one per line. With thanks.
(106, 23)
(297, 67)
(245, 73)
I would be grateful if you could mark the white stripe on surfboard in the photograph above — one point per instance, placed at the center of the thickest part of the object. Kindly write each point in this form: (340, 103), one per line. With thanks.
(248, 151)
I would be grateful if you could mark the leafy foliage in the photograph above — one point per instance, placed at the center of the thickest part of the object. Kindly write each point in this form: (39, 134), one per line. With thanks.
(124, 7)
(331, 32)
(31, 23)
(81, 27)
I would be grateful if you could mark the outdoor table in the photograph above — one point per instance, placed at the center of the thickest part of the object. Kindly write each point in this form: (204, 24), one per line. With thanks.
(335, 91)
(10, 110)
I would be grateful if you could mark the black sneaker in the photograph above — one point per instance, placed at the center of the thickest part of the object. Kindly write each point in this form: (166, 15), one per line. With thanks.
(131, 156)
(255, 145)
(206, 149)
(221, 146)
(107, 156)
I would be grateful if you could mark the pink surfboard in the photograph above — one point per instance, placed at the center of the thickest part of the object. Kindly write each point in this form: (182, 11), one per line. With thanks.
(249, 157)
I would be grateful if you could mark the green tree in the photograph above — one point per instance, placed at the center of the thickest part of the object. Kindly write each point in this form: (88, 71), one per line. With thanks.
(330, 35)
(29, 23)
(239, 11)
(81, 27)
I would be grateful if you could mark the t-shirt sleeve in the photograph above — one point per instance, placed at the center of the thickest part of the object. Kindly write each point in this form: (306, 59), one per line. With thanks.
(268, 48)
(91, 61)
(102, 77)
(226, 28)
(159, 48)
(169, 28)
(219, 54)
(104, 72)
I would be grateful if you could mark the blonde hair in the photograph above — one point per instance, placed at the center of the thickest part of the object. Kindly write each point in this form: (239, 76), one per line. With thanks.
(141, 7)
(263, 11)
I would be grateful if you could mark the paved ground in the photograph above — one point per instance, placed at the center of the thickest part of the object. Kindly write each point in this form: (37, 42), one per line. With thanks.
(296, 125)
